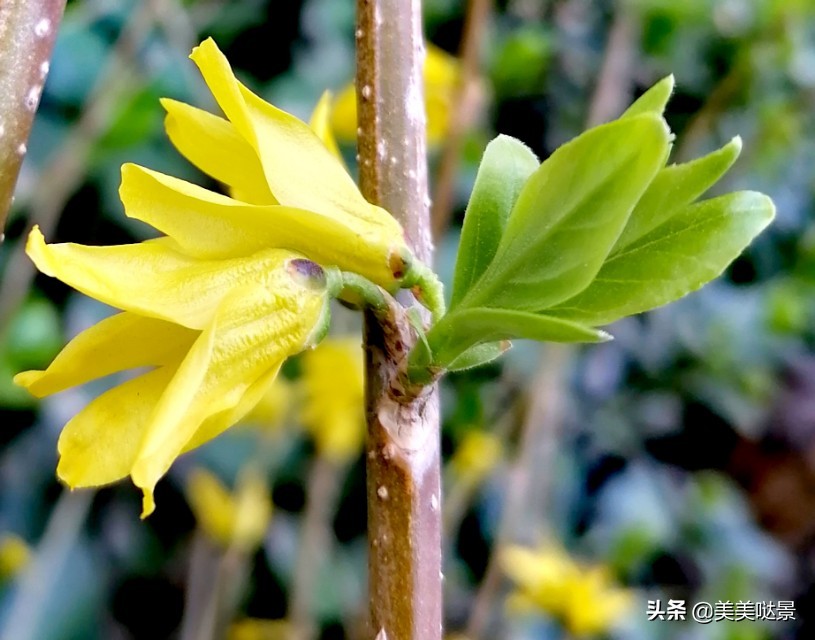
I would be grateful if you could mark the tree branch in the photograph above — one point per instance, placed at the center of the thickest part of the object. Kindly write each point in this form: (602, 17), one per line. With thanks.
(404, 528)
(27, 34)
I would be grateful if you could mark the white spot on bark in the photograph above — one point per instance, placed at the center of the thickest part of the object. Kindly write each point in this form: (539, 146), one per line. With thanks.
(359, 33)
(2, 130)
(33, 97)
(359, 132)
(42, 28)
(44, 67)
(382, 635)
(434, 502)
(366, 92)
(22, 148)
(382, 492)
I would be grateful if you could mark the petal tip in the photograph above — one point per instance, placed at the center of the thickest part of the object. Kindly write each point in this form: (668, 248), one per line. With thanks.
(27, 379)
(148, 502)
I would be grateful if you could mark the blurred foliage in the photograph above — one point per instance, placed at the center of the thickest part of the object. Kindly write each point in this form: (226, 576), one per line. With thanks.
(682, 454)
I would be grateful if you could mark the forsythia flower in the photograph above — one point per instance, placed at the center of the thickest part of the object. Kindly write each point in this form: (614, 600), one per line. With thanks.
(271, 410)
(334, 390)
(238, 519)
(441, 77)
(289, 190)
(257, 629)
(584, 599)
(215, 331)
(14, 555)
(476, 455)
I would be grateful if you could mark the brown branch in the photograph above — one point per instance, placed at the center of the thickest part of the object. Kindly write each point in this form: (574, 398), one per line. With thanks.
(464, 102)
(28, 31)
(65, 169)
(404, 528)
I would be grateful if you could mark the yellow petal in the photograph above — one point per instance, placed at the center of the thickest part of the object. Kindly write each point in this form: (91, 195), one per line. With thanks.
(344, 114)
(212, 505)
(321, 125)
(209, 225)
(254, 330)
(99, 445)
(300, 171)
(120, 342)
(333, 408)
(238, 519)
(476, 455)
(215, 425)
(151, 278)
(256, 629)
(213, 145)
(15, 554)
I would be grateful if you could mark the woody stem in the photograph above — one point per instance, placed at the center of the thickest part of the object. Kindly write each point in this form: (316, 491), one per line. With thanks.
(403, 476)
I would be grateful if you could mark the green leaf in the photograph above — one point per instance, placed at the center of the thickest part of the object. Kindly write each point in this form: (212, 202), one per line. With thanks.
(653, 100)
(505, 167)
(688, 250)
(675, 187)
(569, 215)
(460, 330)
(479, 354)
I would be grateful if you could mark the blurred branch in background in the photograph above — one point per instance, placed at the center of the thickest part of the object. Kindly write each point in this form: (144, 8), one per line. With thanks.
(316, 543)
(612, 93)
(528, 481)
(37, 581)
(462, 114)
(66, 168)
(64, 172)
(28, 31)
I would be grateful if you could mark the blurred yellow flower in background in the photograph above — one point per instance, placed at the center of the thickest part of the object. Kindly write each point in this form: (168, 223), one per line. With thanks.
(271, 411)
(289, 190)
(442, 75)
(215, 332)
(583, 598)
(476, 456)
(333, 384)
(15, 554)
(234, 520)
(257, 629)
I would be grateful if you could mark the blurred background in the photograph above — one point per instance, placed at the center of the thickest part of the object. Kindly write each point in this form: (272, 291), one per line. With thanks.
(676, 462)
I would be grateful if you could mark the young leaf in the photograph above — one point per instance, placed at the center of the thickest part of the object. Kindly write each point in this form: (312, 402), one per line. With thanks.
(569, 215)
(688, 250)
(505, 167)
(653, 100)
(675, 187)
(479, 355)
(462, 329)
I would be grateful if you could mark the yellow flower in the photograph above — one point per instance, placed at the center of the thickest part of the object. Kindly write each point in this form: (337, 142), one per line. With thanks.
(271, 410)
(14, 555)
(476, 455)
(215, 331)
(289, 190)
(441, 77)
(257, 629)
(584, 599)
(237, 520)
(334, 390)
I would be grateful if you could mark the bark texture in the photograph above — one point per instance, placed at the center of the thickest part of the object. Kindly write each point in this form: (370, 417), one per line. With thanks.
(404, 529)
(27, 34)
